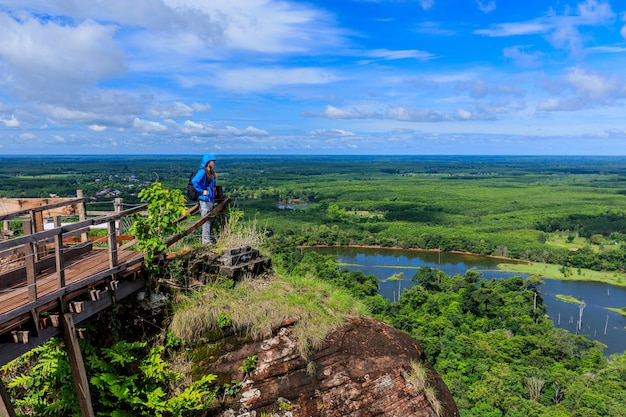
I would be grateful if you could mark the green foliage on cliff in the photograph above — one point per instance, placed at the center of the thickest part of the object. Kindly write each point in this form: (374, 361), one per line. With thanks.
(127, 379)
(499, 355)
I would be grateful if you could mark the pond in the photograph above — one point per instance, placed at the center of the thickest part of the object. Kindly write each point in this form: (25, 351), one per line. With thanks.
(598, 323)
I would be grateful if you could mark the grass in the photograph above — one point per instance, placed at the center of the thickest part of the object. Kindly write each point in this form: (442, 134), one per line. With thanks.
(550, 271)
(621, 311)
(256, 307)
(569, 299)
(418, 377)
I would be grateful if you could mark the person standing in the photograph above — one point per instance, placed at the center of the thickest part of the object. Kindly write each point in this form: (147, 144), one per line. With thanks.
(204, 183)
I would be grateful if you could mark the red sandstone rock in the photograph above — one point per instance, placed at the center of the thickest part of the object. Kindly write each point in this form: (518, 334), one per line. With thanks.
(360, 371)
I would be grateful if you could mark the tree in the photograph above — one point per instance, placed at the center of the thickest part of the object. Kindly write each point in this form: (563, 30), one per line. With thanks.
(431, 279)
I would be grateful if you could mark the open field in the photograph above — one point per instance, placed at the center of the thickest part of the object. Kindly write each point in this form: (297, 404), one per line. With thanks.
(550, 210)
(549, 271)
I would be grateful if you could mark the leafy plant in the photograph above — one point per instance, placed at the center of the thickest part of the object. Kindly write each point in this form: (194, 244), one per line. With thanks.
(249, 364)
(231, 388)
(41, 382)
(223, 320)
(165, 209)
(124, 391)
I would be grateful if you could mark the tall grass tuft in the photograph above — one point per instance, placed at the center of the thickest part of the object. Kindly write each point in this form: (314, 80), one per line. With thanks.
(258, 306)
(237, 233)
(418, 377)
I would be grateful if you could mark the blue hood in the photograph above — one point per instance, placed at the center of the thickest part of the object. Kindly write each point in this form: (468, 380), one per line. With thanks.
(206, 158)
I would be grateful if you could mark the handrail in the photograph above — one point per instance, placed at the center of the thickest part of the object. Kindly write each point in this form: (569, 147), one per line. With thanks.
(45, 234)
(42, 208)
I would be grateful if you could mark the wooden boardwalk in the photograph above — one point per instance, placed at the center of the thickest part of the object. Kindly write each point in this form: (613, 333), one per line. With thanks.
(57, 270)
(61, 273)
(86, 270)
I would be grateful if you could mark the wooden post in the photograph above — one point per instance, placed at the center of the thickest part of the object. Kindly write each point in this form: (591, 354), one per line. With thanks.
(6, 408)
(81, 382)
(117, 207)
(36, 225)
(5, 229)
(82, 214)
(58, 253)
(31, 276)
(112, 245)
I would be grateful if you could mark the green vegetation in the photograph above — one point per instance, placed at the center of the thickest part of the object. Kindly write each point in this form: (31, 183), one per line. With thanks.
(569, 299)
(564, 273)
(319, 307)
(165, 208)
(129, 380)
(621, 311)
(498, 354)
(566, 211)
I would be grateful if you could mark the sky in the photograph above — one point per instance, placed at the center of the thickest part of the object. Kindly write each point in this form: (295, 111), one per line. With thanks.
(326, 77)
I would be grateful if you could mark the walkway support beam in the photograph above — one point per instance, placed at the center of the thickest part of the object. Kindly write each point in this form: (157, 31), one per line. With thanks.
(6, 408)
(81, 382)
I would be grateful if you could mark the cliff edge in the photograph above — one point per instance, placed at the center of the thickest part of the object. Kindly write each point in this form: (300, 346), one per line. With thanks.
(364, 368)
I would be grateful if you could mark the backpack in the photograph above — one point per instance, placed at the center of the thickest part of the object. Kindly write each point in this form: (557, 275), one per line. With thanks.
(192, 193)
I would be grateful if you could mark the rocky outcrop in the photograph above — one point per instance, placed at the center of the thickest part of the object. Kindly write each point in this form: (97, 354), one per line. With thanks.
(365, 368)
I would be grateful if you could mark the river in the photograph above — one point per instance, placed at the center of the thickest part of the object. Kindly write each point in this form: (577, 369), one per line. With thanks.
(597, 296)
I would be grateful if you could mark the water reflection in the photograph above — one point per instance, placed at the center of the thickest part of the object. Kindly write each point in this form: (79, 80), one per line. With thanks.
(597, 323)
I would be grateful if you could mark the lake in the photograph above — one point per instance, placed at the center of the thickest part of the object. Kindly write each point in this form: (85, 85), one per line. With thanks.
(383, 263)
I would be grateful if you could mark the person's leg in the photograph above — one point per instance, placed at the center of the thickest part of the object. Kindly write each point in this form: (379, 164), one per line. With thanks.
(205, 207)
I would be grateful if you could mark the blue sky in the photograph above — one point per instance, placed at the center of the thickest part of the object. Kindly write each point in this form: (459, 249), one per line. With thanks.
(362, 77)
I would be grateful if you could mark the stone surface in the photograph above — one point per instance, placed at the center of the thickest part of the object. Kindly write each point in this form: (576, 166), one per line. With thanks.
(358, 372)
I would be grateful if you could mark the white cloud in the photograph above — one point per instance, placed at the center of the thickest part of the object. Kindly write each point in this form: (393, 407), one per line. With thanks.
(205, 129)
(170, 110)
(516, 29)
(413, 115)
(332, 112)
(486, 6)
(31, 51)
(400, 54)
(97, 128)
(562, 30)
(522, 58)
(12, 122)
(426, 4)
(565, 104)
(148, 126)
(27, 136)
(331, 132)
(199, 107)
(432, 29)
(262, 78)
(61, 115)
(594, 85)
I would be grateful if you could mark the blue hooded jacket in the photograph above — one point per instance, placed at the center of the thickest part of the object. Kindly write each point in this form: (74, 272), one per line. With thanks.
(200, 182)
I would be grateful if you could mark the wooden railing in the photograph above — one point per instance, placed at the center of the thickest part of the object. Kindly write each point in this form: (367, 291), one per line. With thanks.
(46, 250)
(47, 253)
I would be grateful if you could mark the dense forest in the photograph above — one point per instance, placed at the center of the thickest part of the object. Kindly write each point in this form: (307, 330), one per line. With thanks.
(567, 211)
(489, 340)
(492, 343)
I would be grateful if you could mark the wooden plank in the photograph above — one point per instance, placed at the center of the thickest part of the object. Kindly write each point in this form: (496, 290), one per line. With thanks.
(6, 409)
(81, 382)
(78, 277)
(198, 223)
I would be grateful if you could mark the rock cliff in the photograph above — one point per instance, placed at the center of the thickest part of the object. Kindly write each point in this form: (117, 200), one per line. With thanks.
(364, 368)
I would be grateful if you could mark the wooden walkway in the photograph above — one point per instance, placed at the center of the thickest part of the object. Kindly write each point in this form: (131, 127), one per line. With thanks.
(61, 273)
(60, 270)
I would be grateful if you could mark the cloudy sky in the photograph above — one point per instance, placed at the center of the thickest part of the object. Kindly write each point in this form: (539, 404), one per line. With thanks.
(378, 77)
